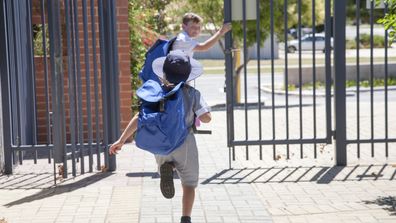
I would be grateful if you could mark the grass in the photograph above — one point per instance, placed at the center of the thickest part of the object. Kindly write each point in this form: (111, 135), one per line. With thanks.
(376, 82)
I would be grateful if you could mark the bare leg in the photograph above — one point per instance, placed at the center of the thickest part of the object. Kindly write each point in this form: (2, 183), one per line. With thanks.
(188, 200)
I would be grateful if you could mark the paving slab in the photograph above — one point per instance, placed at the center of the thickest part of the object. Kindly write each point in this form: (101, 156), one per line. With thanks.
(298, 189)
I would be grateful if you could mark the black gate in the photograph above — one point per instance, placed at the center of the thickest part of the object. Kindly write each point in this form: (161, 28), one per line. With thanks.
(59, 83)
(297, 84)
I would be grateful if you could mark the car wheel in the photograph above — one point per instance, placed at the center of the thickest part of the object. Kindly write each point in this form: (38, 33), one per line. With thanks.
(291, 49)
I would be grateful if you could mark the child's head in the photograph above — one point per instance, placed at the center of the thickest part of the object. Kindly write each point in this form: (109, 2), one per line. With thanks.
(192, 24)
(177, 67)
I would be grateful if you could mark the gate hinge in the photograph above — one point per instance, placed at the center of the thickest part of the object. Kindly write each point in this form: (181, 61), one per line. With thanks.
(333, 133)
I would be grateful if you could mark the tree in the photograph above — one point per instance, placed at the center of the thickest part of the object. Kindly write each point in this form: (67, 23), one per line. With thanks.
(146, 23)
(389, 20)
(213, 14)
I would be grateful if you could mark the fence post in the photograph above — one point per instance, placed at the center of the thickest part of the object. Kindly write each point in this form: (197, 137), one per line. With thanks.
(59, 129)
(229, 74)
(5, 92)
(339, 80)
(111, 71)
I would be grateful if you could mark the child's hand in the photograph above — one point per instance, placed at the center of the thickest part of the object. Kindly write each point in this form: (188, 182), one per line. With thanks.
(225, 28)
(197, 122)
(115, 147)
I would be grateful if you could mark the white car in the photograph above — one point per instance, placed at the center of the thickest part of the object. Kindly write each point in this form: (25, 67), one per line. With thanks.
(306, 43)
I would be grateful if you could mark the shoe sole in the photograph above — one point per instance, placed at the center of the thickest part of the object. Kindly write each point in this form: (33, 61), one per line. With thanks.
(166, 185)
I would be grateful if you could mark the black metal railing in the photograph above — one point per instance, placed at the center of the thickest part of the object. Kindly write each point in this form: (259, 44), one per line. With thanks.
(78, 125)
(303, 117)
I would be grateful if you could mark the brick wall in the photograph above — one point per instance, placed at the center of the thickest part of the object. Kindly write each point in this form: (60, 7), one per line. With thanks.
(124, 62)
(124, 70)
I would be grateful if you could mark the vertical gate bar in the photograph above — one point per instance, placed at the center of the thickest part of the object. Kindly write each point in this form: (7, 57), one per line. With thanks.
(286, 27)
(74, 77)
(386, 87)
(329, 33)
(5, 88)
(358, 76)
(44, 31)
(79, 90)
(245, 55)
(115, 79)
(95, 67)
(109, 85)
(314, 72)
(233, 153)
(229, 156)
(14, 159)
(33, 84)
(339, 79)
(71, 86)
(258, 41)
(103, 80)
(25, 75)
(229, 80)
(12, 78)
(57, 83)
(87, 83)
(300, 77)
(15, 79)
(272, 75)
(372, 74)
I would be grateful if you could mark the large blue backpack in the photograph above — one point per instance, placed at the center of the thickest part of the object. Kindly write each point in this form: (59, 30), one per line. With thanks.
(161, 123)
(160, 48)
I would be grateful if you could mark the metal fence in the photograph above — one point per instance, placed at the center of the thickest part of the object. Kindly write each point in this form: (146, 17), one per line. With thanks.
(68, 108)
(377, 137)
(302, 116)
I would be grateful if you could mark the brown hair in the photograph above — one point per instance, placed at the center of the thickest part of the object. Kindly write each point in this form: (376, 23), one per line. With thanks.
(189, 16)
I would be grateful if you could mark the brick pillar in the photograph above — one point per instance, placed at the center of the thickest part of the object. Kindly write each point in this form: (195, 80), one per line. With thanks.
(124, 68)
(124, 62)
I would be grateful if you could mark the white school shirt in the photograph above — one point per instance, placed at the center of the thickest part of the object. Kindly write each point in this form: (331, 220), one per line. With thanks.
(185, 43)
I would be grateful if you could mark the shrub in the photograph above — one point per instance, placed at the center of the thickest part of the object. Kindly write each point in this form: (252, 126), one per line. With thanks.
(146, 21)
(378, 41)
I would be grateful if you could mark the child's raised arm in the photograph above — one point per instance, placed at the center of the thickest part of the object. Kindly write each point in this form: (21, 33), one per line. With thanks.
(212, 40)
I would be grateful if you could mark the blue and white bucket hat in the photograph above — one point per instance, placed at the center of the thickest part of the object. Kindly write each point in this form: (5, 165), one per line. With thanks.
(177, 67)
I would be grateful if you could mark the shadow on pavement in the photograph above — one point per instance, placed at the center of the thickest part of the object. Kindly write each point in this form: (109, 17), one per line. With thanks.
(153, 175)
(64, 187)
(143, 174)
(388, 204)
(317, 174)
(27, 181)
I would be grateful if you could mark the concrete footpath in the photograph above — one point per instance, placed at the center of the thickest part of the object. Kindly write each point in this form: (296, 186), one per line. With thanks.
(254, 190)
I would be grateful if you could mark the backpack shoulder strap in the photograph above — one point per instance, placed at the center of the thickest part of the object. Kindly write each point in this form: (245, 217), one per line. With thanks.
(155, 45)
(174, 90)
(170, 45)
